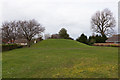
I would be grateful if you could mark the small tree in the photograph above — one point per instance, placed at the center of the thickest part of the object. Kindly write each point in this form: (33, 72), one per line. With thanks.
(82, 38)
(63, 33)
(29, 29)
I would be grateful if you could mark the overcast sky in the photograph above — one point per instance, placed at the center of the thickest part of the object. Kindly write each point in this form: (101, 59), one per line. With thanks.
(74, 15)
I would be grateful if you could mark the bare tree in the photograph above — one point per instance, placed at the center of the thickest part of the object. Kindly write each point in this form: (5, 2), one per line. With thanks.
(103, 22)
(29, 29)
(9, 30)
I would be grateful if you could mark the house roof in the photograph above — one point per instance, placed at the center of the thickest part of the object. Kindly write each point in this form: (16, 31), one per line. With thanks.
(114, 38)
(21, 41)
(56, 35)
(4, 40)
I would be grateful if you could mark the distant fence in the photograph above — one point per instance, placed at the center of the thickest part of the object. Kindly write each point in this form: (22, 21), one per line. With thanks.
(107, 44)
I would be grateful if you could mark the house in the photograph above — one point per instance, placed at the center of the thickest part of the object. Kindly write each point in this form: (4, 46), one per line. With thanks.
(114, 39)
(37, 40)
(4, 41)
(55, 36)
(21, 42)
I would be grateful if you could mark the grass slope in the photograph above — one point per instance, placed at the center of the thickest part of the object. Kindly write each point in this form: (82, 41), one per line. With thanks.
(60, 59)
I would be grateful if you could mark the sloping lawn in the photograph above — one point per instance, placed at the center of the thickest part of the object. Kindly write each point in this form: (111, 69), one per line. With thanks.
(61, 59)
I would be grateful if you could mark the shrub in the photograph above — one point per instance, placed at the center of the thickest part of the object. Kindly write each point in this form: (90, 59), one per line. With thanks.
(83, 39)
(91, 41)
(7, 47)
(114, 45)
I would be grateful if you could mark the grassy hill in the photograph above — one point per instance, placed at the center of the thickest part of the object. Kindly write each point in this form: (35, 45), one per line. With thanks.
(61, 58)
(59, 43)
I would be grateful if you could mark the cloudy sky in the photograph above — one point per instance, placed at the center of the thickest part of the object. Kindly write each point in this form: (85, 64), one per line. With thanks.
(74, 15)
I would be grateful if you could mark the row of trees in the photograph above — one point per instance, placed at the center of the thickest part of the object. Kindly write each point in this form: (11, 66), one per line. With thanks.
(21, 29)
(92, 39)
(83, 38)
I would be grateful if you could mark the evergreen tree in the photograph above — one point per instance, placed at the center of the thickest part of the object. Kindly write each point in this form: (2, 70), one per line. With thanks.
(82, 38)
(100, 39)
(91, 40)
(97, 39)
(63, 33)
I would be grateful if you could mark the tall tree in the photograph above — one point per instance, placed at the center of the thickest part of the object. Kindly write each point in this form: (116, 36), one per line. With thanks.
(63, 33)
(10, 30)
(29, 29)
(103, 22)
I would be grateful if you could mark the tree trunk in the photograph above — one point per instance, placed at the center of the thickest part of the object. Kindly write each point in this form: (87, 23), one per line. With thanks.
(102, 33)
(28, 43)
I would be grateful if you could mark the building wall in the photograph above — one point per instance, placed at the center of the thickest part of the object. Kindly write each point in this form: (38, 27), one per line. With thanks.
(24, 44)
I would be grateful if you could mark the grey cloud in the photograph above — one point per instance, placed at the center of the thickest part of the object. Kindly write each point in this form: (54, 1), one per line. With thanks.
(74, 15)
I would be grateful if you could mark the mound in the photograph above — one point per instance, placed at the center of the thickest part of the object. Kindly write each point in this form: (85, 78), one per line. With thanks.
(59, 43)
(60, 58)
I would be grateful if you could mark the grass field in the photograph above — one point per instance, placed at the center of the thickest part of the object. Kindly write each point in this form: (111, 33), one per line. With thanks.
(61, 59)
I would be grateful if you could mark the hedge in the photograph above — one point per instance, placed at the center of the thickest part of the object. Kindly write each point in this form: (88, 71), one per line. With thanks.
(7, 47)
(107, 44)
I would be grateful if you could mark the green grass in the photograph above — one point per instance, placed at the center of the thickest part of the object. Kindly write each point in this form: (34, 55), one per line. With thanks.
(61, 59)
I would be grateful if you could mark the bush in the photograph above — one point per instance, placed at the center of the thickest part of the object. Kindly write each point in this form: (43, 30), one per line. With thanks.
(91, 41)
(114, 46)
(83, 39)
(7, 47)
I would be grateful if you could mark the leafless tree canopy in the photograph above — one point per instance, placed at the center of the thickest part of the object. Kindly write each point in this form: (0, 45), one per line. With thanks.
(9, 30)
(21, 29)
(103, 22)
(29, 29)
